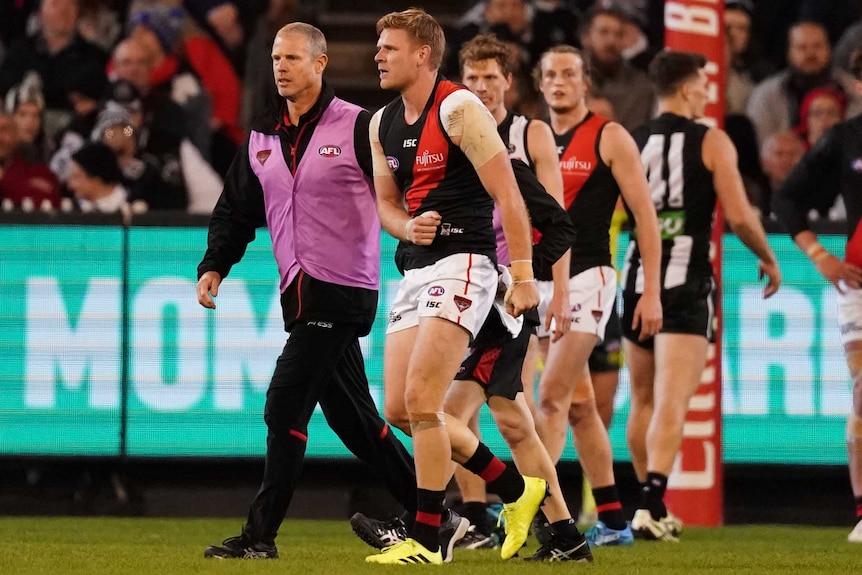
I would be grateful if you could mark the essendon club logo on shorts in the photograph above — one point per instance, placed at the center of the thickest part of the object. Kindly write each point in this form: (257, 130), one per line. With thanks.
(436, 291)
(462, 303)
(597, 315)
(263, 155)
(329, 151)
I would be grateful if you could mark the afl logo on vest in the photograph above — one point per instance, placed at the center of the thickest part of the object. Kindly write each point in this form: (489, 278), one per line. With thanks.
(393, 162)
(329, 151)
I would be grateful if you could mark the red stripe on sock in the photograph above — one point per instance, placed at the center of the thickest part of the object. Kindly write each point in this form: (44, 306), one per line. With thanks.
(494, 470)
(299, 435)
(385, 431)
(608, 507)
(432, 519)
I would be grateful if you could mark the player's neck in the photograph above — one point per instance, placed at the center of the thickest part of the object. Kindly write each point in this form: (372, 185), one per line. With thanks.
(673, 106)
(500, 113)
(416, 95)
(563, 121)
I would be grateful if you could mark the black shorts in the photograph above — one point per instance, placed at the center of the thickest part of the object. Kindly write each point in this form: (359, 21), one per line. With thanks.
(608, 355)
(495, 358)
(689, 308)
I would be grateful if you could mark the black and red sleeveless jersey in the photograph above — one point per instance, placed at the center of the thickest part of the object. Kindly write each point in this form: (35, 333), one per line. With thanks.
(434, 174)
(590, 192)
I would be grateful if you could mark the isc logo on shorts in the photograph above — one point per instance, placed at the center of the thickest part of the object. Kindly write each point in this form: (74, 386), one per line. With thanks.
(329, 151)
(436, 291)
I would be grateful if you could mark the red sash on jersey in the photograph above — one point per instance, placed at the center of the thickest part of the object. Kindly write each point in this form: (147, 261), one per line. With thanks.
(580, 157)
(432, 150)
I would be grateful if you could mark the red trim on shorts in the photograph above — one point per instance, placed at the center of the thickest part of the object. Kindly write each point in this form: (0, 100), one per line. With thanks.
(608, 506)
(859, 511)
(385, 431)
(486, 364)
(432, 519)
(602, 275)
(469, 265)
(299, 435)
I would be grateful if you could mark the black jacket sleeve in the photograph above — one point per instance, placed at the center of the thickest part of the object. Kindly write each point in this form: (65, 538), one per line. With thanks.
(547, 216)
(239, 210)
(813, 184)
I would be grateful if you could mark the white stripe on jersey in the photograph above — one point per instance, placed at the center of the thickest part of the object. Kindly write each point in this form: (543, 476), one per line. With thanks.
(677, 265)
(517, 143)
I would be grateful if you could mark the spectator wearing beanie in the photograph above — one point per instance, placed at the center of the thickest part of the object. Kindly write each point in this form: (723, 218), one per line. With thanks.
(180, 40)
(821, 109)
(94, 178)
(146, 188)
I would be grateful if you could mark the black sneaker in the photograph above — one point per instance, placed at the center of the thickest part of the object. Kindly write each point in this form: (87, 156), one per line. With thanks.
(558, 549)
(379, 533)
(475, 539)
(452, 529)
(542, 528)
(241, 548)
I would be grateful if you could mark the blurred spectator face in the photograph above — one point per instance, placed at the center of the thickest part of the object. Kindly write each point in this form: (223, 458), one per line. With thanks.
(28, 121)
(513, 13)
(7, 136)
(58, 17)
(604, 39)
(485, 78)
(737, 29)
(81, 183)
(121, 139)
(824, 112)
(132, 63)
(562, 82)
(295, 70)
(780, 154)
(601, 106)
(808, 49)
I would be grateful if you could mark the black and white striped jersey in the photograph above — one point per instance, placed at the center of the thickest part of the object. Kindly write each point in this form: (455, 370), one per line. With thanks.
(684, 197)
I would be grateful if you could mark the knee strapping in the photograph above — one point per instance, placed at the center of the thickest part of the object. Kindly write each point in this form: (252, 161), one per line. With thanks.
(422, 421)
(854, 429)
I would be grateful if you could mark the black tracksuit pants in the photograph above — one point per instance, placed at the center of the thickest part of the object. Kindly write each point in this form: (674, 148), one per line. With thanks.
(322, 363)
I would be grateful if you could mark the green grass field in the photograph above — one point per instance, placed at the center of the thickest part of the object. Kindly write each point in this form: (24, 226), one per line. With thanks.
(72, 545)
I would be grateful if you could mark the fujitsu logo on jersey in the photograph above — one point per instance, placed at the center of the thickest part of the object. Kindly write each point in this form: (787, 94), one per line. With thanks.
(575, 165)
(429, 159)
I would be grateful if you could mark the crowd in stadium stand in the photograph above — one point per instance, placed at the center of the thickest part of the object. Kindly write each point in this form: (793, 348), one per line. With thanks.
(169, 86)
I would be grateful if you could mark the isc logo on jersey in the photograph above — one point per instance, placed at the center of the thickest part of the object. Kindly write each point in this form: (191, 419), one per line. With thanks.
(329, 151)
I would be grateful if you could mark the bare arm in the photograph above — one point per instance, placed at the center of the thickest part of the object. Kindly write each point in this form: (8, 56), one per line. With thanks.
(620, 152)
(472, 128)
(391, 210)
(719, 156)
(543, 154)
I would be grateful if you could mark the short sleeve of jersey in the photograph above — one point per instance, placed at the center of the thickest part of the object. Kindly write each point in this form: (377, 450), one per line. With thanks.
(378, 157)
(464, 116)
